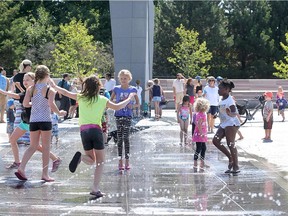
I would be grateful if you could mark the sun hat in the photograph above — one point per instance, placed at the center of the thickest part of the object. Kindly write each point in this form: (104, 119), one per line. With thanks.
(10, 102)
(268, 94)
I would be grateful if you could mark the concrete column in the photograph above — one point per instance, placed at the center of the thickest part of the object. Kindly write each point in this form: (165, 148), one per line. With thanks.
(132, 25)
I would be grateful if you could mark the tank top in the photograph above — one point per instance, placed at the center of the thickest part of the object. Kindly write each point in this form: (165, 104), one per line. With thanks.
(190, 90)
(156, 91)
(40, 111)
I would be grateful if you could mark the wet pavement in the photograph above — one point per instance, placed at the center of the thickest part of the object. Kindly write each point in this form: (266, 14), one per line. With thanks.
(161, 180)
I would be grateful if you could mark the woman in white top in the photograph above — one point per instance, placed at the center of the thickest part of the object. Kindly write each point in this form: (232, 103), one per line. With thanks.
(210, 92)
(228, 127)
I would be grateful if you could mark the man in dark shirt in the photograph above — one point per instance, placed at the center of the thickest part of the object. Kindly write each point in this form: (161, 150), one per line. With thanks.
(65, 101)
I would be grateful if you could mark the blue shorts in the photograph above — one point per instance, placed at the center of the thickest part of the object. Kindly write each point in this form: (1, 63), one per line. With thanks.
(213, 110)
(23, 126)
(10, 127)
(156, 98)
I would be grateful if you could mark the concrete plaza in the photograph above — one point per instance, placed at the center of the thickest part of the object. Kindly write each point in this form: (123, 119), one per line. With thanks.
(161, 181)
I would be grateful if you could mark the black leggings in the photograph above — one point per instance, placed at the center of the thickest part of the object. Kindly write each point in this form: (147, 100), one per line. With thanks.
(200, 147)
(123, 129)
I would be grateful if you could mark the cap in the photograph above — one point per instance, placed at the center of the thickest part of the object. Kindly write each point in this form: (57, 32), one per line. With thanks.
(10, 102)
(219, 78)
(268, 94)
(198, 77)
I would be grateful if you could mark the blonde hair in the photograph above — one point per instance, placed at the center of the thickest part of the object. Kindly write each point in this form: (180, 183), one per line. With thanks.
(31, 75)
(125, 72)
(201, 105)
(24, 64)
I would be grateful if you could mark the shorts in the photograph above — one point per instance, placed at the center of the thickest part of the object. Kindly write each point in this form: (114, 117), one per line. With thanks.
(192, 99)
(10, 127)
(55, 130)
(73, 102)
(104, 127)
(179, 98)
(156, 99)
(23, 126)
(213, 110)
(268, 125)
(92, 138)
(43, 126)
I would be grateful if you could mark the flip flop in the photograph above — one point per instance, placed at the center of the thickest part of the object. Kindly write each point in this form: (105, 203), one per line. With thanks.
(48, 180)
(75, 161)
(20, 176)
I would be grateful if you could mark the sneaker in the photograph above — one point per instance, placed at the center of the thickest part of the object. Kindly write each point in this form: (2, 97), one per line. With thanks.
(14, 165)
(56, 165)
(97, 194)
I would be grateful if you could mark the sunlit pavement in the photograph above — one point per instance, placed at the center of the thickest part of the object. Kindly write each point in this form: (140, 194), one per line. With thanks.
(161, 180)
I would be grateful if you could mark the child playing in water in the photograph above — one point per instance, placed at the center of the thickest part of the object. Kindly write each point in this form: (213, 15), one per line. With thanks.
(184, 114)
(200, 134)
(91, 109)
(42, 98)
(23, 127)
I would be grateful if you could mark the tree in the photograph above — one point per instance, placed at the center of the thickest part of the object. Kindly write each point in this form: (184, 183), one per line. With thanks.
(76, 52)
(190, 55)
(282, 65)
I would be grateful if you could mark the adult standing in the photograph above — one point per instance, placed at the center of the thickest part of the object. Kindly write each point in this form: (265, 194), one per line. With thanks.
(190, 90)
(109, 83)
(18, 87)
(65, 101)
(4, 85)
(178, 89)
(211, 94)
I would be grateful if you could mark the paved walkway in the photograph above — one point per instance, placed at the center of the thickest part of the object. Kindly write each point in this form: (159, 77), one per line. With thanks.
(162, 180)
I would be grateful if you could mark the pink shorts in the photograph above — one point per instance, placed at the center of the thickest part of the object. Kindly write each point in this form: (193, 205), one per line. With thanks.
(192, 99)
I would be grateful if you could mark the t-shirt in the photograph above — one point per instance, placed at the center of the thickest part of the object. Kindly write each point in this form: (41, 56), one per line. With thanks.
(226, 120)
(178, 84)
(91, 113)
(122, 94)
(268, 106)
(3, 82)
(19, 78)
(211, 94)
(110, 84)
(66, 85)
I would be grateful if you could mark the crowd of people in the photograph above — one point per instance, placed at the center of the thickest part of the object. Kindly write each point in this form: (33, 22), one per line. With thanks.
(32, 108)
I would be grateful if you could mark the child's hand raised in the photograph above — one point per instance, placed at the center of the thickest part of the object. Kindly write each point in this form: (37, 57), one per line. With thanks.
(131, 95)
(62, 113)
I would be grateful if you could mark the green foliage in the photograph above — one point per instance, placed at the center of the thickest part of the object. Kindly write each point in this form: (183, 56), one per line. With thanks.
(282, 65)
(76, 52)
(190, 55)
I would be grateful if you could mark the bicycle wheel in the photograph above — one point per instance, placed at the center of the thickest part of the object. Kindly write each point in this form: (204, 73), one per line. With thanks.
(244, 117)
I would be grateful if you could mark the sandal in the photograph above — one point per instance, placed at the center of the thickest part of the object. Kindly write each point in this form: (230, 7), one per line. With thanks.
(97, 194)
(20, 176)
